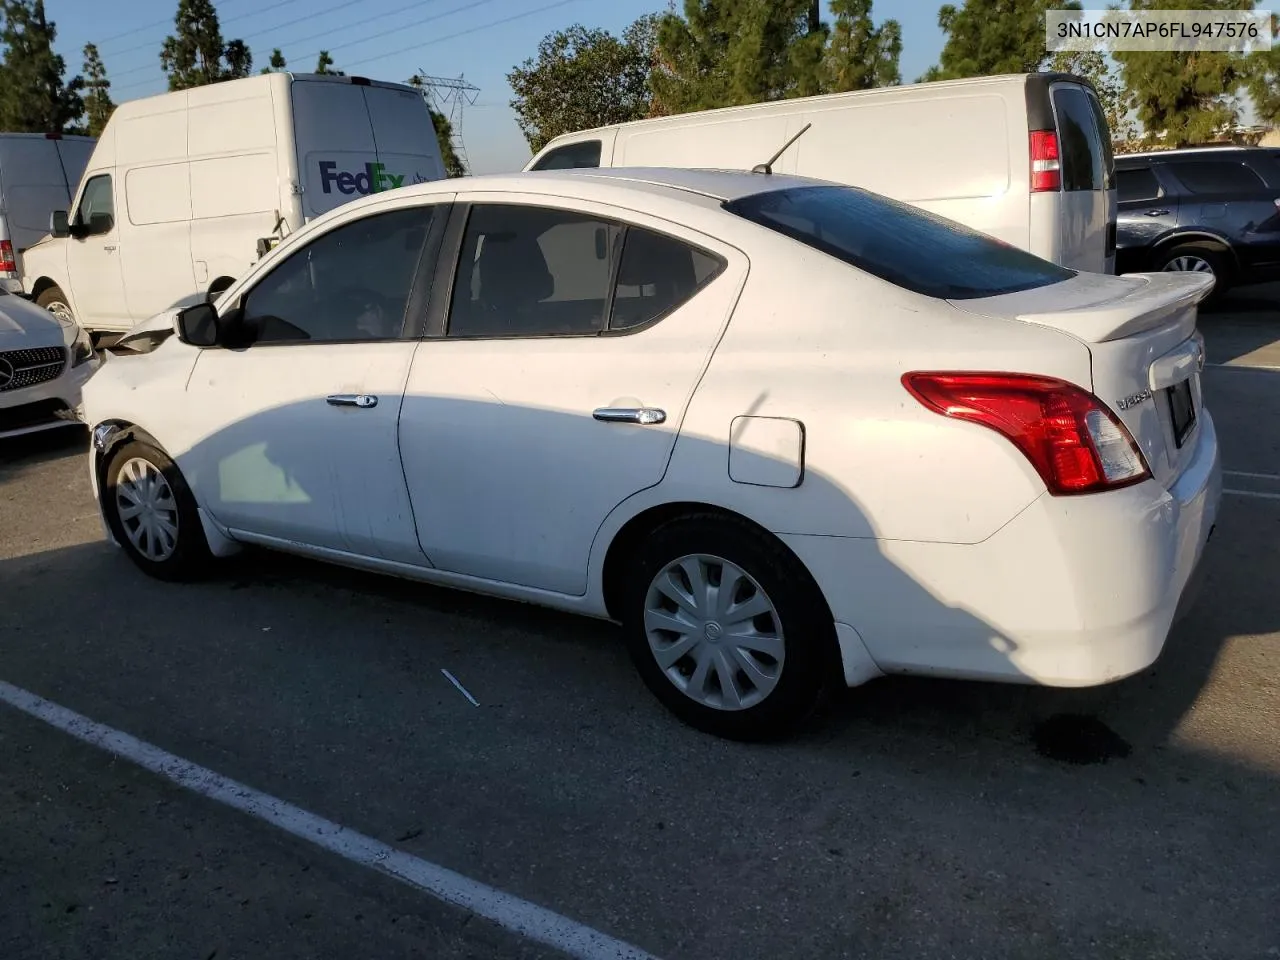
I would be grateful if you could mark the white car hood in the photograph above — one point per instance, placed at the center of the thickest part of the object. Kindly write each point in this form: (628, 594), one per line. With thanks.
(23, 325)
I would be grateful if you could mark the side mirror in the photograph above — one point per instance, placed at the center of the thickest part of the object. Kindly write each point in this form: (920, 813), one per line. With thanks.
(100, 223)
(198, 325)
(58, 224)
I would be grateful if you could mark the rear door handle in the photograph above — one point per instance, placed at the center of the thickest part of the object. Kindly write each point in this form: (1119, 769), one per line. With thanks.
(644, 415)
(1157, 213)
(361, 400)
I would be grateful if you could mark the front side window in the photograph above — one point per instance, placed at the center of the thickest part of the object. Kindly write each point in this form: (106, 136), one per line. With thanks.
(572, 156)
(1136, 184)
(533, 271)
(352, 283)
(899, 243)
(97, 202)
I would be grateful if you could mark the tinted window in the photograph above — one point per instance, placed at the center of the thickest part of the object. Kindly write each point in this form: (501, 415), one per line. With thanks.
(1137, 184)
(1079, 141)
(353, 283)
(657, 274)
(1216, 176)
(1104, 136)
(96, 199)
(532, 271)
(899, 243)
(571, 156)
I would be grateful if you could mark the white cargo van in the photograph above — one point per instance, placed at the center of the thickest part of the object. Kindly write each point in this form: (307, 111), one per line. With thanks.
(38, 174)
(185, 190)
(1025, 158)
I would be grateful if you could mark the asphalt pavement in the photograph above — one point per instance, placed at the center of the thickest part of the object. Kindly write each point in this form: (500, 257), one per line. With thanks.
(917, 818)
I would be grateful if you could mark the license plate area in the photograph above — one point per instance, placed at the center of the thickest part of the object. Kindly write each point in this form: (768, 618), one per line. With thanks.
(1182, 411)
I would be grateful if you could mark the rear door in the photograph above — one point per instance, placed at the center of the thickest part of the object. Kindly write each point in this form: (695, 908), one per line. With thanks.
(354, 139)
(1087, 215)
(1226, 196)
(1148, 211)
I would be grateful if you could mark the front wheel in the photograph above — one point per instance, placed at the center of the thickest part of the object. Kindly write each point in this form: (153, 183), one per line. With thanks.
(55, 301)
(728, 629)
(152, 513)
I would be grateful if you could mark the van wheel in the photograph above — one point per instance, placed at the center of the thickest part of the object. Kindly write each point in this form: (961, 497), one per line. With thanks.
(727, 628)
(1198, 258)
(55, 301)
(218, 287)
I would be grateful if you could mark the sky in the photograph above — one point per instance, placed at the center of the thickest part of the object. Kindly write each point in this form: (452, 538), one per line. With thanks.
(480, 40)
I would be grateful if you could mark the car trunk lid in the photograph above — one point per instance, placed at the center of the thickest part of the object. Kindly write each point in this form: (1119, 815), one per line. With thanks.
(1146, 354)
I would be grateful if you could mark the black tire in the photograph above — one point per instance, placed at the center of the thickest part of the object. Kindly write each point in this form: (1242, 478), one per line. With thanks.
(810, 666)
(1207, 253)
(51, 295)
(218, 287)
(190, 557)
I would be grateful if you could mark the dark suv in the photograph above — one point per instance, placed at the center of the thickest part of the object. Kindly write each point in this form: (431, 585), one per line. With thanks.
(1210, 209)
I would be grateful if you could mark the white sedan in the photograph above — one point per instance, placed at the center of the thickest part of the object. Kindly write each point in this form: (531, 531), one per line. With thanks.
(793, 435)
(44, 362)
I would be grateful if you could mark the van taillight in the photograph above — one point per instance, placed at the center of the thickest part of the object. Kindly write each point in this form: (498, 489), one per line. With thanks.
(7, 263)
(1046, 172)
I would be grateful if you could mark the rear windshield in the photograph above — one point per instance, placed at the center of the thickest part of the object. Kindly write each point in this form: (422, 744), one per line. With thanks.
(902, 244)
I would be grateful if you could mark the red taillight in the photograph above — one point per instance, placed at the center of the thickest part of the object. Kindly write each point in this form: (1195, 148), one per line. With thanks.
(1075, 443)
(1046, 171)
(7, 262)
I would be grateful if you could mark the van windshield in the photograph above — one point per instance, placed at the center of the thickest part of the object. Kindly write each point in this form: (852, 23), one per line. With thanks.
(897, 242)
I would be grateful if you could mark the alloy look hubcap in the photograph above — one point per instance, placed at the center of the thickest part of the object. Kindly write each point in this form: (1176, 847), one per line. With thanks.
(148, 509)
(714, 632)
(1189, 264)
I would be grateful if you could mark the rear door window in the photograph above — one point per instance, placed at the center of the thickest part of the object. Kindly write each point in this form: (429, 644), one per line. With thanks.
(1217, 177)
(897, 242)
(571, 156)
(657, 274)
(1137, 184)
(1080, 147)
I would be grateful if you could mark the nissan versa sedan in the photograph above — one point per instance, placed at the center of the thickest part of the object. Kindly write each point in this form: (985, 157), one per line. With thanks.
(44, 362)
(792, 435)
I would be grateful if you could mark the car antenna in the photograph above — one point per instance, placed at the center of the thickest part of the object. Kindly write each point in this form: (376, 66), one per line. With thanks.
(767, 166)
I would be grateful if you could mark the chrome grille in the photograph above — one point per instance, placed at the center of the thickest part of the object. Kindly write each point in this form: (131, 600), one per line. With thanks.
(27, 368)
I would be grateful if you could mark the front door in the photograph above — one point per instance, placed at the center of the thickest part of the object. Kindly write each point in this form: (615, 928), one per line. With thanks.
(556, 385)
(93, 259)
(1148, 211)
(299, 429)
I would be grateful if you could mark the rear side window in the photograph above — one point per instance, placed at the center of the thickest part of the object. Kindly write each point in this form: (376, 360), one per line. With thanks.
(657, 274)
(1139, 183)
(571, 156)
(894, 241)
(1084, 162)
(1216, 177)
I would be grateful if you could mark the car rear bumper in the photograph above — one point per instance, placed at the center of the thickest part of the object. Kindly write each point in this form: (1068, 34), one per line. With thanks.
(1075, 591)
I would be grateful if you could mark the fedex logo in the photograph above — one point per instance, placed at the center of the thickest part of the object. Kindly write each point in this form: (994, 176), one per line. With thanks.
(373, 179)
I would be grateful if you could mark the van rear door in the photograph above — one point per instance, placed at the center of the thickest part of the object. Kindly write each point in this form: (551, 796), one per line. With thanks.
(33, 185)
(355, 138)
(1087, 214)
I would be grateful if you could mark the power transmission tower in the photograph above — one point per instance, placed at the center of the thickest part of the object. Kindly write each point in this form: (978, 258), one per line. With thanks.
(449, 96)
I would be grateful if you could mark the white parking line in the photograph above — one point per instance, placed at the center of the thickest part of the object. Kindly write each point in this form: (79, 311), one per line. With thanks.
(1259, 367)
(504, 909)
(1252, 476)
(1252, 493)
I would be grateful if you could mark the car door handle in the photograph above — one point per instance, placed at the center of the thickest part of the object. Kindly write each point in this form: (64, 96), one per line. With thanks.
(645, 415)
(1157, 213)
(361, 400)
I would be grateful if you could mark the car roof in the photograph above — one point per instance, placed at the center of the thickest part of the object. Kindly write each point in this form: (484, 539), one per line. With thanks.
(1194, 152)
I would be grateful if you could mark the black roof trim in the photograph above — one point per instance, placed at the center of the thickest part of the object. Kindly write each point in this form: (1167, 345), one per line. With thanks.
(1039, 106)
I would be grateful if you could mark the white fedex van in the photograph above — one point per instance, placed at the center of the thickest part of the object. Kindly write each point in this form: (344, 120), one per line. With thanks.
(185, 190)
(1025, 158)
(38, 174)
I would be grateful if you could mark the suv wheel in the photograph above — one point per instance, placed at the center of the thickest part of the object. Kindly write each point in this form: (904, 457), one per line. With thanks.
(1198, 258)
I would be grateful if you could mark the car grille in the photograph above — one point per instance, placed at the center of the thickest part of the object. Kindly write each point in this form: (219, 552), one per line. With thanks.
(26, 368)
(31, 415)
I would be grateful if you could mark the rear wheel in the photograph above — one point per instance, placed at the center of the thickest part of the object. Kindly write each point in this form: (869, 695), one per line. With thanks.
(727, 628)
(152, 513)
(55, 301)
(1198, 258)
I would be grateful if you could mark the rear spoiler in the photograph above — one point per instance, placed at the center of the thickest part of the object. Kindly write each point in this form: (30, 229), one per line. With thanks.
(1156, 299)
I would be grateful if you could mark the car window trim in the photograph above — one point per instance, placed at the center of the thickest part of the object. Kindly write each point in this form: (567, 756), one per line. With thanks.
(405, 336)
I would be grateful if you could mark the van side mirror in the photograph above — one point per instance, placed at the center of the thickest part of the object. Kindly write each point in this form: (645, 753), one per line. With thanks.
(58, 224)
(198, 325)
(100, 223)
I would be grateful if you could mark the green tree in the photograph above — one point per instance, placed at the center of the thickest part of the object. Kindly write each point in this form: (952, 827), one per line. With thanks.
(97, 95)
(721, 54)
(1117, 102)
(861, 55)
(1263, 78)
(1184, 97)
(453, 165)
(324, 65)
(986, 37)
(583, 78)
(196, 55)
(34, 97)
(277, 63)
